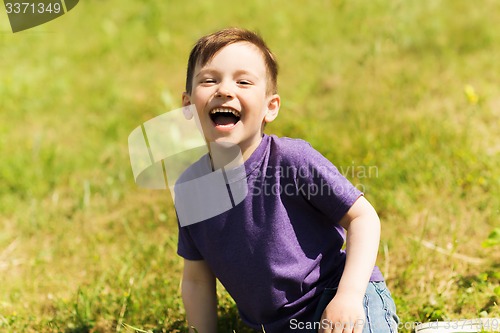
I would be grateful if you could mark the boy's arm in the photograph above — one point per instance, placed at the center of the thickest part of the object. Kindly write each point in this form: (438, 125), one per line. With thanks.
(199, 296)
(363, 236)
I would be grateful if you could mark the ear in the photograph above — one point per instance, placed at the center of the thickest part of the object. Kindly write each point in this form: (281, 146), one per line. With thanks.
(187, 110)
(186, 99)
(273, 107)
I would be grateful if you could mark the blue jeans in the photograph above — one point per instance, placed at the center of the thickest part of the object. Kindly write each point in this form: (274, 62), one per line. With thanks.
(379, 308)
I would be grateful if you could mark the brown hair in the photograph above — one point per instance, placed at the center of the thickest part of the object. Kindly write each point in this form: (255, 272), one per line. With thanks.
(207, 46)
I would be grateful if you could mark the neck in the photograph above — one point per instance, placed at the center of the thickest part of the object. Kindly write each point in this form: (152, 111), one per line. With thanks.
(246, 153)
(227, 155)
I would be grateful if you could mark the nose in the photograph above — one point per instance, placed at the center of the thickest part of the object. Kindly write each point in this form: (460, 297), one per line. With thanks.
(224, 91)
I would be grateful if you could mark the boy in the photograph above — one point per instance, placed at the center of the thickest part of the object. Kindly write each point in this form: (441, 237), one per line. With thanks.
(278, 251)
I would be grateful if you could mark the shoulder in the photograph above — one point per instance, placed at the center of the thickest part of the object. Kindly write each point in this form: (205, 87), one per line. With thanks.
(299, 154)
(290, 149)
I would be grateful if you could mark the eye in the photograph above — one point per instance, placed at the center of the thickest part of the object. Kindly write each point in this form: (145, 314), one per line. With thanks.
(244, 82)
(207, 81)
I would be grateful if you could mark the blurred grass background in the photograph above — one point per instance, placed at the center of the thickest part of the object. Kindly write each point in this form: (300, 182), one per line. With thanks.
(408, 88)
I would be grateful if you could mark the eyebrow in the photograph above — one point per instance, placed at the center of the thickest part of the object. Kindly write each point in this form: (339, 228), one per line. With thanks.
(205, 71)
(245, 72)
(238, 72)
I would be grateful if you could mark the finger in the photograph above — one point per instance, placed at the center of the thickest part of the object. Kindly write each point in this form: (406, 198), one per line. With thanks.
(324, 326)
(358, 326)
(348, 327)
(338, 327)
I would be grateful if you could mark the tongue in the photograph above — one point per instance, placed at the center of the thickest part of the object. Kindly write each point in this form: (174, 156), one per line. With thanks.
(225, 119)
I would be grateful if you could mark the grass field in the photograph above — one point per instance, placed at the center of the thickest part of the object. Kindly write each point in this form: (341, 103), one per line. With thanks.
(407, 89)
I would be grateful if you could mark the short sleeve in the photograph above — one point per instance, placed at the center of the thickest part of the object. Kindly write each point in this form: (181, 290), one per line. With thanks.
(185, 245)
(323, 186)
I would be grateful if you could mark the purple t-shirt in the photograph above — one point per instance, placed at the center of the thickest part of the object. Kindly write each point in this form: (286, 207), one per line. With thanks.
(278, 249)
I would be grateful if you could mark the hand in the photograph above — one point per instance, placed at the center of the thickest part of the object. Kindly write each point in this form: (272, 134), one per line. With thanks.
(343, 315)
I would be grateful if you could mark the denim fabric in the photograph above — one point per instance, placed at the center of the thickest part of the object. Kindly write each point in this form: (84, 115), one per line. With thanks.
(379, 308)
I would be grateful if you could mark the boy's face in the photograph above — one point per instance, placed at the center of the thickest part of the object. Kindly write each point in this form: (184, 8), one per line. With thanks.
(230, 95)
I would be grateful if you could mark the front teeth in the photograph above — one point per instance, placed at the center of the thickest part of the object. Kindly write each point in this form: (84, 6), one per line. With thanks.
(224, 110)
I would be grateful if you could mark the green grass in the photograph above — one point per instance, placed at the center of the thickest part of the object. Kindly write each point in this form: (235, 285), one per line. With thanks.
(370, 84)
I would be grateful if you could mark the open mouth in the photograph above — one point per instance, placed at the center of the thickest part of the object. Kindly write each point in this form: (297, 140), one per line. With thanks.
(224, 117)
